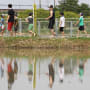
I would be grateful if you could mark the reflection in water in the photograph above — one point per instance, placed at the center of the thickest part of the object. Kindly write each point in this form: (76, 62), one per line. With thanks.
(15, 69)
(81, 66)
(10, 75)
(61, 70)
(30, 74)
(1, 68)
(51, 73)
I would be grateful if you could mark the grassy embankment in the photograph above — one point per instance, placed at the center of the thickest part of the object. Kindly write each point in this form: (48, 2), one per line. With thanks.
(45, 53)
(36, 42)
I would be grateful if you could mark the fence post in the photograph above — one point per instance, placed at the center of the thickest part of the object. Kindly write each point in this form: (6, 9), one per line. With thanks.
(56, 26)
(39, 28)
(71, 28)
(20, 25)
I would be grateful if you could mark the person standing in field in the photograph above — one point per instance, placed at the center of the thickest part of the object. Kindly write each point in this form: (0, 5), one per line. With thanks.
(10, 19)
(16, 24)
(30, 21)
(2, 24)
(51, 19)
(62, 23)
(81, 25)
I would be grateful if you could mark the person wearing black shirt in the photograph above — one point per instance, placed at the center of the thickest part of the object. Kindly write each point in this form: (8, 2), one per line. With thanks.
(10, 18)
(51, 19)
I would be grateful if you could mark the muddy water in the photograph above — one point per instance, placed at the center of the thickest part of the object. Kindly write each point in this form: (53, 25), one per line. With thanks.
(44, 69)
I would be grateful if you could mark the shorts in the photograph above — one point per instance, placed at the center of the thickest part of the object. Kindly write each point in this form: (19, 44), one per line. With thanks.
(51, 24)
(10, 25)
(30, 73)
(30, 27)
(81, 28)
(15, 28)
(61, 29)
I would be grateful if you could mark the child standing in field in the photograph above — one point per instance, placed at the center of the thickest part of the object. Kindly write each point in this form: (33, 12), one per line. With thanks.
(62, 23)
(81, 25)
(30, 21)
(16, 24)
(2, 24)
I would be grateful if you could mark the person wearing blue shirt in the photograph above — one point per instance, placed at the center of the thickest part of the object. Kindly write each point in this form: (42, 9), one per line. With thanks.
(2, 24)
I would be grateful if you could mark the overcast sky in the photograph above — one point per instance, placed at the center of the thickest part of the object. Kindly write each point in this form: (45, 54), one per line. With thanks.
(45, 3)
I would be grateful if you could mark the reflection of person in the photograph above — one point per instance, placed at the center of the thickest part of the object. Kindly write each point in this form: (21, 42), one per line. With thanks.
(51, 19)
(61, 71)
(10, 75)
(30, 72)
(81, 25)
(1, 68)
(81, 70)
(15, 69)
(51, 74)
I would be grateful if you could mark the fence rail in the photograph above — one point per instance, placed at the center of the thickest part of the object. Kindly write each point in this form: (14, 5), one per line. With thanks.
(70, 29)
(43, 31)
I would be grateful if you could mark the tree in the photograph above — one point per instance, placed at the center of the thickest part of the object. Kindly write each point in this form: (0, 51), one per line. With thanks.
(85, 9)
(72, 5)
(68, 5)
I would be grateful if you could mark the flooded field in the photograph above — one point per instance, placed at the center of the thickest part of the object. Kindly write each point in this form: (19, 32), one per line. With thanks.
(44, 70)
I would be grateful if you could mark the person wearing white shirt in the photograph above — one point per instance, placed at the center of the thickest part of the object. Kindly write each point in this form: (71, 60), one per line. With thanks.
(62, 23)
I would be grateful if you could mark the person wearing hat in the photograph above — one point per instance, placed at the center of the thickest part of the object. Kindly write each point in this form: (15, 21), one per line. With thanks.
(81, 25)
(51, 19)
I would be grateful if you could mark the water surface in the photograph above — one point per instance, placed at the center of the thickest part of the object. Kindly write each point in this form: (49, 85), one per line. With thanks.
(44, 69)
